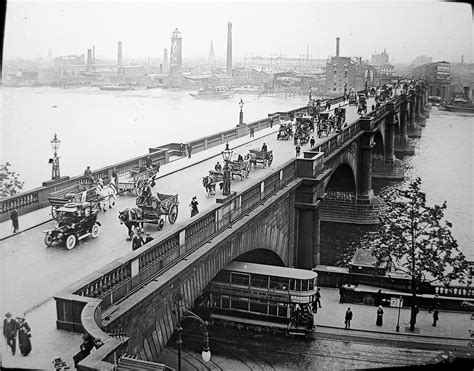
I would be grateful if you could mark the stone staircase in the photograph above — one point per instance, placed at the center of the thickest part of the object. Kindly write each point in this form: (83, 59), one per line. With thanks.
(348, 211)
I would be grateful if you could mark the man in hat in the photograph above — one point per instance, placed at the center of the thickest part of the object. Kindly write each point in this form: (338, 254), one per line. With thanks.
(10, 329)
(137, 241)
(86, 348)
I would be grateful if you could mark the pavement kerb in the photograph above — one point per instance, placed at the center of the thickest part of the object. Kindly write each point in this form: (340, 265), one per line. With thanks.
(395, 334)
(162, 176)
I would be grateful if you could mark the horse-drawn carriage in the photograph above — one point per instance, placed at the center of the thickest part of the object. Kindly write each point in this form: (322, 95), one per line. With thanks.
(85, 191)
(362, 106)
(326, 124)
(152, 210)
(134, 180)
(285, 132)
(74, 221)
(239, 166)
(260, 157)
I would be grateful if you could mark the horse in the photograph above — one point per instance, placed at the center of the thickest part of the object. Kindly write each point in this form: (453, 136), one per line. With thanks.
(210, 185)
(107, 193)
(126, 216)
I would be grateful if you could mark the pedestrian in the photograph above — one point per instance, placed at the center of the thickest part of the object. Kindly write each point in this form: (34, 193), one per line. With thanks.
(148, 238)
(271, 123)
(194, 206)
(314, 306)
(342, 294)
(86, 347)
(435, 303)
(10, 329)
(318, 297)
(115, 175)
(182, 149)
(14, 218)
(417, 310)
(348, 319)
(379, 321)
(435, 317)
(24, 335)
(312, 142)
(252, 131)
(298, 150)
(378, 298)
(137, 241)
(190, 149)
(88, 174)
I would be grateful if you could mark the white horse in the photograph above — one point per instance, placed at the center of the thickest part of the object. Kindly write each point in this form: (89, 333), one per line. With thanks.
(107, 194)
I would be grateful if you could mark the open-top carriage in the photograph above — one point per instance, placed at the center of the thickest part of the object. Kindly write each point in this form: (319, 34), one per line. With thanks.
(78, 193)
(260, 157)
(74, 221)
(285, 132)
(134, 180)
(154, 209)
(239, 166)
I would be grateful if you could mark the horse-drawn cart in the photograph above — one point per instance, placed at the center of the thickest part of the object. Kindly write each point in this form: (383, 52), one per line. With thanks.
(285, 132)
(259, 157)
(134, 180)
(239, 166)
(78, 193)
(154, 210)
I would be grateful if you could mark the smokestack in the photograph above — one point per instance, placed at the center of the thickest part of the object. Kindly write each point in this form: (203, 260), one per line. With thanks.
(337, 46)
(93, 53)
(165, 61)
(119, 56)
(89, 59)
(229, 49)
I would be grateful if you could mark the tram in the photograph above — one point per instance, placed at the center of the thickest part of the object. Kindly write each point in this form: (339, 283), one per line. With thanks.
(262, 298)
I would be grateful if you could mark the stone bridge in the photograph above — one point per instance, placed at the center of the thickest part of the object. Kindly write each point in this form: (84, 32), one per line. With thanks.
(276, 219)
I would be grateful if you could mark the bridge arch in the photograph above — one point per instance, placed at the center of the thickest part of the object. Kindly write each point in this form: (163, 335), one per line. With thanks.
(261, 256)
(342, 183)
(378, 149)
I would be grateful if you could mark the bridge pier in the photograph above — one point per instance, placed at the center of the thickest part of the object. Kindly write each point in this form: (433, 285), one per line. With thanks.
(413, 130)
(389, 167)
(308, 243)
(402, 143)
(419, 107)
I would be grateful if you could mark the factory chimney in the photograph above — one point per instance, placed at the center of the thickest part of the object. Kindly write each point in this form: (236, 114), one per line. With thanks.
(165, 61)
(89, 59)
(119, 56)
(229, 49)
(337, 46)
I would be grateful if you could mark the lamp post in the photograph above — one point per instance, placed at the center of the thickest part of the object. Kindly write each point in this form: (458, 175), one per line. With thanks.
(183, 314)
(398, 320)
(226, 155)
(55, 160)
(241, 115)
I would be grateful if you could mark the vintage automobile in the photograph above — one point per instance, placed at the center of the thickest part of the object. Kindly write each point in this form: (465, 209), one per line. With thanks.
(74, 221)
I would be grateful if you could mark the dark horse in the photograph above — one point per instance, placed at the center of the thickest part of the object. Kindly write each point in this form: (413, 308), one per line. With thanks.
(129, 217)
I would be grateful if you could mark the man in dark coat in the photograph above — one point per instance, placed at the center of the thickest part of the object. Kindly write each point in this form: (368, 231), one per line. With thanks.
(190, 149)
(24, 335)
(86, 348)
(137, 241)
(318, 297)
(14, 218)
(435, 317)
(348, 319)
(10, 329)
(342, 293)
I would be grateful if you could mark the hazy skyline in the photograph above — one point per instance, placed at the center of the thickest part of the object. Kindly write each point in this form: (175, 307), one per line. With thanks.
(406, 30)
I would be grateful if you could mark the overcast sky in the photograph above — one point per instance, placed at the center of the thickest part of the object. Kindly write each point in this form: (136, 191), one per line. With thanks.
(406, 29)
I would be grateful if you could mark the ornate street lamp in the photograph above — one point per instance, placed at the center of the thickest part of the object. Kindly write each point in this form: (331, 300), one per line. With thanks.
(55, 160)
(241, 116)
(398, 320)
(183, 314)
(226, 155)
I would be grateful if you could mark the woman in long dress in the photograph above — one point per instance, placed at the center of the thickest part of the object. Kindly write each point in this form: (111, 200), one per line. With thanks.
(24, 334)
(379, 316)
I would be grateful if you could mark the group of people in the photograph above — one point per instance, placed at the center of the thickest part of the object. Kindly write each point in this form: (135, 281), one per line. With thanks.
(13, 328)
(88, 346)
(186, 149)
(138, 240)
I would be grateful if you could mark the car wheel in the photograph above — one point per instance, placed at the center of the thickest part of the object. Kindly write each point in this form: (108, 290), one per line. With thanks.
(71, 242)
(48, 239)
(95, 230)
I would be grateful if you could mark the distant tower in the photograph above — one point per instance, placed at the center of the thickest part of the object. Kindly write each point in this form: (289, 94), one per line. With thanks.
(165, 61)
(229, 49)
(337, 46)
(119, 55)
(211, 59)
(176, 61)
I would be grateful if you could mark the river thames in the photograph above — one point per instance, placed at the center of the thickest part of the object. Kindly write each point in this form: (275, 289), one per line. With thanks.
(99, 128)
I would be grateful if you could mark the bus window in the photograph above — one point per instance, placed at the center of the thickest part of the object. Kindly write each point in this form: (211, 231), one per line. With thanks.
(296, 285)
(279, 283)
(272, 310)
(222, 277)
(282, 310)
(311, 285)
(216, 301)
(304, 285)
(225, 302)
(259, 281)
(240, 303)
(258, 307)
(239, 279)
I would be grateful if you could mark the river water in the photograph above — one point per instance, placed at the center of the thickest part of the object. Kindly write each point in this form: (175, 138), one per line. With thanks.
(99, 128)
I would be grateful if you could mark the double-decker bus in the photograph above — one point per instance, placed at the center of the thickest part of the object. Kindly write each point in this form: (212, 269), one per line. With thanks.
(262, 298)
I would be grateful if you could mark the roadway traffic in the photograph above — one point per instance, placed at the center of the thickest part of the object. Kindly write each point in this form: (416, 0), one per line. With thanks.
(32, 273)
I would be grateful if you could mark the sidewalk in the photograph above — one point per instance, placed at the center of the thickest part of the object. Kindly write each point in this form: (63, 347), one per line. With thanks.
(452, 328)
(40, 216)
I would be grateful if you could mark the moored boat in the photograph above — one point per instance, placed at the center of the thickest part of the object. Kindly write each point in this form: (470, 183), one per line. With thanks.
(459, 105)
(212, 93)
(116, 88)
(248, 89)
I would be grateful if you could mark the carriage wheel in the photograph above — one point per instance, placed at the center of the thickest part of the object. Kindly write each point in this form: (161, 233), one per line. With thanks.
(95, 230)
(71, 242)
(48, 239)
(161, 223)
(54, 213)
(173, 215)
